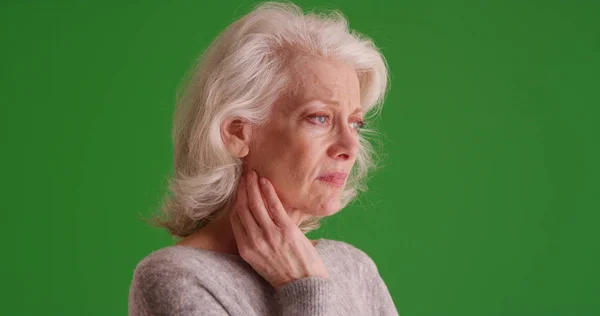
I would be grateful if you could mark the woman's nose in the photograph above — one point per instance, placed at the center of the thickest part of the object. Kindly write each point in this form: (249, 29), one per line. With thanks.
(346, 144)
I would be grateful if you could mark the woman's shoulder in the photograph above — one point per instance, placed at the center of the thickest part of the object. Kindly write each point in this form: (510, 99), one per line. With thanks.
(186, 260)
(183, 260)
(175, 279)
(341, 251)
(338, 247)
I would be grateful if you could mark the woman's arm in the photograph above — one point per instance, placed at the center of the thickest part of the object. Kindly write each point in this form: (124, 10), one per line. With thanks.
(313, 296)
(165, 291)
(161, 290)
(169, 286)
(377, 292)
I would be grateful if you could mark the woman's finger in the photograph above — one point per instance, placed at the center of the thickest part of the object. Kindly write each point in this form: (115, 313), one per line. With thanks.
(241, 200)
(236, 223)
(246, 217)
(256, 203)
(239, 232)
(280, 216)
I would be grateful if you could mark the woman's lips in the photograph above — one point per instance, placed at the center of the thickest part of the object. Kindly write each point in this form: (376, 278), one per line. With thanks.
(336, 179)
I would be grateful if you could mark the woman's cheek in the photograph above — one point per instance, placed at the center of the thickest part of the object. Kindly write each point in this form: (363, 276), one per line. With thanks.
(315, 130)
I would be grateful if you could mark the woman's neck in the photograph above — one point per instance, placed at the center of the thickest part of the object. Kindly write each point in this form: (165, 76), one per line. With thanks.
(218, 235)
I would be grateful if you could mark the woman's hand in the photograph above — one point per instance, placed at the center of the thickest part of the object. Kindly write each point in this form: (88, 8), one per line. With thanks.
(267, 238)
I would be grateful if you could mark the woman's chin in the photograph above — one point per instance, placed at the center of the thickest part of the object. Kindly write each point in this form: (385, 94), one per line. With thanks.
(327, 208)
(319, 205)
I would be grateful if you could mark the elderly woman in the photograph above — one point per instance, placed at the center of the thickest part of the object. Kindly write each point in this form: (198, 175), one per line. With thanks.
(267, 135)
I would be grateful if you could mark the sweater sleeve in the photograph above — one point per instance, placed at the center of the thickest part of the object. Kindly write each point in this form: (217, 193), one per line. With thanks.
(377, 292)
(160, 290)
(311, 296)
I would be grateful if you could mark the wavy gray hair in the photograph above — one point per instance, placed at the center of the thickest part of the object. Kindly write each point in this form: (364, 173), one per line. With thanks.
(241, 74)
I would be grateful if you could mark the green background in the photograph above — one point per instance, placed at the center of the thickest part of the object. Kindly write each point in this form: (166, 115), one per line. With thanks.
(487, 203)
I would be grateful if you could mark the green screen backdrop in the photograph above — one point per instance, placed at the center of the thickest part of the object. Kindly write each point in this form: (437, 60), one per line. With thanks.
(487, 203)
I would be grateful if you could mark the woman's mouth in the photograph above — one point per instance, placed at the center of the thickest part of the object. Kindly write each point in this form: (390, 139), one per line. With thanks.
(336, 179)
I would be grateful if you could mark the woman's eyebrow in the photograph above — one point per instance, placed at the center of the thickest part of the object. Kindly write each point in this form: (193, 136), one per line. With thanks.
(358, 109)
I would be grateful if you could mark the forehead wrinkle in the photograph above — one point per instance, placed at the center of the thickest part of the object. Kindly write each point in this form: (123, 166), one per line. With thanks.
(311, 85)
(326, 94)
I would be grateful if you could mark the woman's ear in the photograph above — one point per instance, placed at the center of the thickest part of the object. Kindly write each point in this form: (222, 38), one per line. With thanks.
(235, 133)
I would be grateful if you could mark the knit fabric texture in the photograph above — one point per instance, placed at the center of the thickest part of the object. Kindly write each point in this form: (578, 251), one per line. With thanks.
(185, 281)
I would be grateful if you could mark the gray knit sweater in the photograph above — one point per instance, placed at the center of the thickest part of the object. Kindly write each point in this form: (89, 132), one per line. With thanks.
(182, 280)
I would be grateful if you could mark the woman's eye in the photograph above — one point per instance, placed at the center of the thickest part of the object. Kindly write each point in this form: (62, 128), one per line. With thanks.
(321, 119)
(357, 125)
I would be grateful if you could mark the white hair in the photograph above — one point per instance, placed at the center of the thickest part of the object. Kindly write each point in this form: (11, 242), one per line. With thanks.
(241, 74)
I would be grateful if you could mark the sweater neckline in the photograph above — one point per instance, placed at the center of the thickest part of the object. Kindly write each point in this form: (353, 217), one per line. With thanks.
(234, 256)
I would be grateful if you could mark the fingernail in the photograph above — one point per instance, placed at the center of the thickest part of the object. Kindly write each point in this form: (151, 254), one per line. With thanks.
(263, 181)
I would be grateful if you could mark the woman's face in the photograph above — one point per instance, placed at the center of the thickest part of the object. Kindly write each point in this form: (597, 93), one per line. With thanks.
(310, 142)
